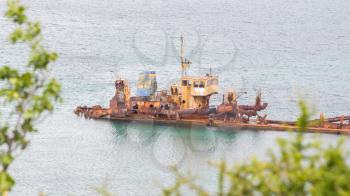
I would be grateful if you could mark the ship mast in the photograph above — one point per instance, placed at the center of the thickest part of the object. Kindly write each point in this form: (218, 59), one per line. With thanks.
(181, 55)
(185, 63)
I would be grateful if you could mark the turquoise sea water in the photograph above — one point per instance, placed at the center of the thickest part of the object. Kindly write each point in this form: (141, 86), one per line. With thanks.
(287, 49)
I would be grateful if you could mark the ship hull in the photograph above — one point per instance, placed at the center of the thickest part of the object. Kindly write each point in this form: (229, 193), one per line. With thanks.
(234, 126)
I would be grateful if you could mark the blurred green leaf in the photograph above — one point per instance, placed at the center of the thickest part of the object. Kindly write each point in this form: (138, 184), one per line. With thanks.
(299, 167)
(30, 91)
(6, 182)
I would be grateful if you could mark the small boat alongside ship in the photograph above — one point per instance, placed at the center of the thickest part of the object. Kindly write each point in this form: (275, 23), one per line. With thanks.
(187, 103)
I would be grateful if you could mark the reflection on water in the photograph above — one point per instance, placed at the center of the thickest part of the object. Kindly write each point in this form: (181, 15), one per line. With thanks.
(137, 133)
(180, 145)
(196, 139)
(171, 145)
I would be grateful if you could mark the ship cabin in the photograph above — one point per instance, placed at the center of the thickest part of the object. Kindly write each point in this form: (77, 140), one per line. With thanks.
(121, 97)
(196, 91)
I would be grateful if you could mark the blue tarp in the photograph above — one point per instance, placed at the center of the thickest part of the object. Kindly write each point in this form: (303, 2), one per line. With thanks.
(143, 92)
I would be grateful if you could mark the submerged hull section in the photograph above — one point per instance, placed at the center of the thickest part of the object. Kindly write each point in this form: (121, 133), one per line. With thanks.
(332, 125)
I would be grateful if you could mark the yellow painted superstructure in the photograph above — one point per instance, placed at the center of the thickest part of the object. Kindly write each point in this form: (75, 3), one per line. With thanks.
(196, 91)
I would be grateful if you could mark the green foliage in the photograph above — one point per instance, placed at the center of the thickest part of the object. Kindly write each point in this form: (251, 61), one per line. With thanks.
(182, 180)
(299, 167)
(103, 190)
(6, 181)
(30, 91)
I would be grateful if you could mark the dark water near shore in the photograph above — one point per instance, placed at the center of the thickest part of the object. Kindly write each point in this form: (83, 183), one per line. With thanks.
(287, 49)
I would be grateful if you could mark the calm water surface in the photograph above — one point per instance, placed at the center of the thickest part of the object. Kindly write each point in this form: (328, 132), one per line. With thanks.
(287, 49)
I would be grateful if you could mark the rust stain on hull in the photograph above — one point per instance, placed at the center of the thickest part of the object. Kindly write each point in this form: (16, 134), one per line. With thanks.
(272, 125)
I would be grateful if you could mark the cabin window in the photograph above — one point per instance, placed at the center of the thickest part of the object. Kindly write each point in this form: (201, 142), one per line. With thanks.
(196, 84)
(184, 82)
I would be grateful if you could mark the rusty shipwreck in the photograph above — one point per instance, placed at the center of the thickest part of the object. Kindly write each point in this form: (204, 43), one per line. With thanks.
(187, 103)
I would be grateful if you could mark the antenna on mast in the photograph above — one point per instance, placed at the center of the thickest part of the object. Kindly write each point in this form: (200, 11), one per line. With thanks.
(209, 69)
(181, 55)
(185, 63)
